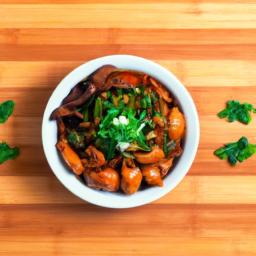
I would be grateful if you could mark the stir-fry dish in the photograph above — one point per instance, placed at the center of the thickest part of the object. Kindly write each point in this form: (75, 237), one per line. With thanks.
(119, 130)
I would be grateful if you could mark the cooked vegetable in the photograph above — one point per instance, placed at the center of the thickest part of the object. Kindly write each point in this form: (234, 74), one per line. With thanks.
(236, 151)
(235, 111)
(6, 152)
(76, 140)
(121, 125)
(6, 109)
(97, 114)
(118, 126)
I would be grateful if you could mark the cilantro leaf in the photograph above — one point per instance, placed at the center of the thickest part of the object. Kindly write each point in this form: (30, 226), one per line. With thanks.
(7, 153)
(236, 111)
(236, 151)
(6, 109)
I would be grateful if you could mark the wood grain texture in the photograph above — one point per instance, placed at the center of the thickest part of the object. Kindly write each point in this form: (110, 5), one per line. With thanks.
(210, 45)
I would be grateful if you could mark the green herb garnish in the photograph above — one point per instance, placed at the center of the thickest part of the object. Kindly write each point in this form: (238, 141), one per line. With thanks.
(6, 109)
(236, 111)
(7, 153)
(120, 125)
(236, 151)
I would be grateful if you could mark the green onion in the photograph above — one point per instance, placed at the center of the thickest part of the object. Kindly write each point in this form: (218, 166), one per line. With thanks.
(143, 103)
(98, 108)
(131, 103)
(165, 147)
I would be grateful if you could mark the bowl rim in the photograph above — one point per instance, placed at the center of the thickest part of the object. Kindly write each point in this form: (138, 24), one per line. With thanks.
(101, 198)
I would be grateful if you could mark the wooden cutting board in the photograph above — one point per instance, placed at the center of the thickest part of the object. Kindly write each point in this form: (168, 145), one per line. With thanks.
(209, 44)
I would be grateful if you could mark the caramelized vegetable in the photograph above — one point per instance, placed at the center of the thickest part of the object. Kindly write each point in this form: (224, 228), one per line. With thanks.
(152, 175)
(107, 179)
(176, 124)
(151, 157)
(70, 157)
(131, 177)
(96, 158)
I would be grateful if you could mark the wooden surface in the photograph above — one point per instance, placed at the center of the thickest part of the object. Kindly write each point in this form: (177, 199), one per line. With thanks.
(209, 44)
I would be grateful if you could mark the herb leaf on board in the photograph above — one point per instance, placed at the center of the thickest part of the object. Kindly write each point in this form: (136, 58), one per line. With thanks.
(236, 151)
(7, 152)
(6, 109)
(235, 111)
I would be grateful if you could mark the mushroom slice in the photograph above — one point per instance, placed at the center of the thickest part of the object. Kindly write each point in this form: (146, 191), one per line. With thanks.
(76, 92)
(96, 83)
(70, 107)
(98, 78)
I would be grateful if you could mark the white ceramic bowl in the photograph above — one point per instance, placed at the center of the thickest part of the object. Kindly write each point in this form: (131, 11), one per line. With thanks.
(118, 200)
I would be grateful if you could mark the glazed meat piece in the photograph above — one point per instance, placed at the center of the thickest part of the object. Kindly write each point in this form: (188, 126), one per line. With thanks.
(70, 157)
(164, 166)
(152, 175)
(149, 157)
(95, 157)
(131, 177)
(107, 179)
(177, 124)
